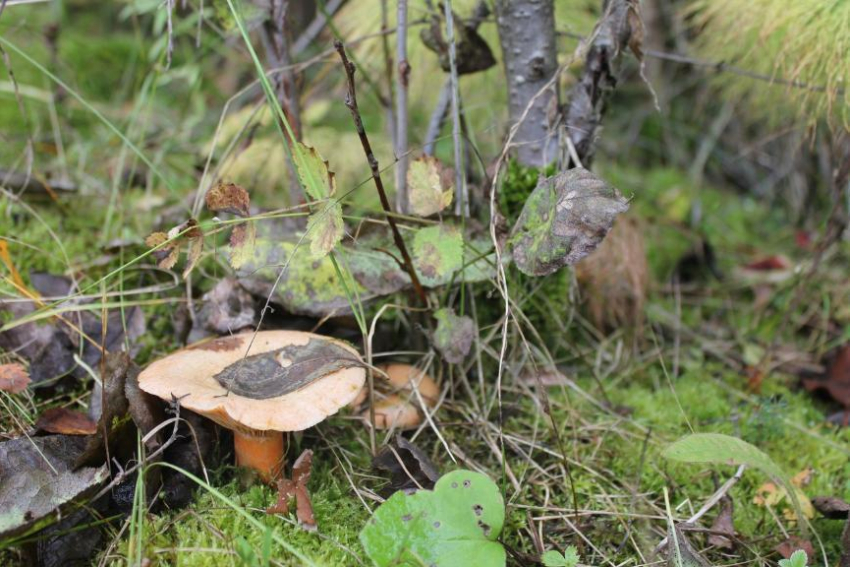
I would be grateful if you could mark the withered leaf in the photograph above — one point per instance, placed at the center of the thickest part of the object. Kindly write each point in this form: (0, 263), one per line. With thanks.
(279, 372)
(408, 466)
(636, 37)
(39, 478)
(13, 378)
(430, 190)
(563, 220)
(228, 198)
(723, 529)
(296, 488)
(312, 168)
(66, 421)
(680, 552)
(325, 229)
(196, 248)
(792, 544)
(227, 308)
(454, 335)
(831, 507)
(837, 380)
(243, 240)
(472, 52)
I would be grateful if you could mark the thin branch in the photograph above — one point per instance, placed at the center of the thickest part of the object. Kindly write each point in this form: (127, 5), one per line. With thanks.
(462, 199)
(315, 27)
(351, 103)
(402, 199)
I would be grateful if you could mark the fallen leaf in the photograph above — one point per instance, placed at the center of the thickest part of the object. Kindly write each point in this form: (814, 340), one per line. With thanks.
(296, 488)
(226, 309)
(39, 479)
(723, 529)
(837, 380)
(831, 507)
(228, 198)
(243, 240)
(429, 194)
(66, 421)
(787, 548)
(13, 378)
(563, 220)
(437, 253)
(454, 335)
(636, 36)
(409, 468)
(680, 552)
(769, 263)
(472, 54)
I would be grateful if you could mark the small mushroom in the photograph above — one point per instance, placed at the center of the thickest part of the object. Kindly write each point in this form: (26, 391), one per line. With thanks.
(260, 385)
(399, 410)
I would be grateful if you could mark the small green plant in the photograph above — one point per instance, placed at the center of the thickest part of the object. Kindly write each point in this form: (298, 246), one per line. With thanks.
(456, 524)
(554, 558)
(797, 559)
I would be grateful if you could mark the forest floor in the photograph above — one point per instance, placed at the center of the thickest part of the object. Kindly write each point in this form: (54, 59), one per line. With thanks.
(589, 432)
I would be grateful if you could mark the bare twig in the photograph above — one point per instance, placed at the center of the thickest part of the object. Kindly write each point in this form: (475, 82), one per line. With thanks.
(315, 27)
(710, 503)
(402, 199)
(461, 200)
(438, 116)
(351, 103)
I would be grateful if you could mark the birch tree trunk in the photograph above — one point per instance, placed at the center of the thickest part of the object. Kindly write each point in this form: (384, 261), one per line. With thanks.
(529, 52)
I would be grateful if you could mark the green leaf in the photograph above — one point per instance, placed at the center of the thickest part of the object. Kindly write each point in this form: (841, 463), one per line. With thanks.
(314, 174)
(455, 525)
(325, 229)
(437, 253)
(553, 558)
(563, 220)
(725, 449)
(798, 559)
(430, 189)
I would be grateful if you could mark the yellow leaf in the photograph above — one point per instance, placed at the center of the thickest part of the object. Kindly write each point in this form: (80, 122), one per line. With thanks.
(425, 181)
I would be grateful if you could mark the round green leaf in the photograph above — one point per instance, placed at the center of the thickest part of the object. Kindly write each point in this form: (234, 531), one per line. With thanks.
(455, 525)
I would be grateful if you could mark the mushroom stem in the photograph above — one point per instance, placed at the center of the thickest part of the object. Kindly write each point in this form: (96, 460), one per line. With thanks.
(262, 451)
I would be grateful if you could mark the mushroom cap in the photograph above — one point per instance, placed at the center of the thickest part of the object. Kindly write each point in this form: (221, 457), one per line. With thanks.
(194, 375)
(393, 412)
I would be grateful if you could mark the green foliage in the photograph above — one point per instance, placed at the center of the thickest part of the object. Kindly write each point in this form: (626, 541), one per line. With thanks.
(798, 559)
(569, 558)
(455, 525)
(517, 185)
(725, 449)
(803, 41)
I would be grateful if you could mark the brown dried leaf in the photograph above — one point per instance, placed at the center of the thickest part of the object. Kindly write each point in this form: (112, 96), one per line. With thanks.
(831, 507)
(13, 378)
(296, 488)
(637, 34)
(792, 544)
(228, 198)
(837, 380)
(723, 525)
(66, 422)
(196, 248)
(154, 239)
(243, 240)
(409, 467)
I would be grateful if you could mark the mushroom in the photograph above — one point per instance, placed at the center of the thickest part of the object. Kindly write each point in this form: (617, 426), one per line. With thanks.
(397, 410)
(259, 385)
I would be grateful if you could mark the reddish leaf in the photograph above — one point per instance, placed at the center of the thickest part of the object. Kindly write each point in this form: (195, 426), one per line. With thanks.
(837, 380)
(228, 198)
(722, 529)
(296, 488)
(13, 378)
(769, 263)
(792, 544)
(65, 421)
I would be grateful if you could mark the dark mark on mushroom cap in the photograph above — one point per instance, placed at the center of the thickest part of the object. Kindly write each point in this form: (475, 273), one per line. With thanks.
(279, 372)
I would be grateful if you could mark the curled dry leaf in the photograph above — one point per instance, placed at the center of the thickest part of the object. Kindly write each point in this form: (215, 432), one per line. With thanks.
(166, 246)
(836, 383)
(787, 548)
(228, 198)
(408, 466)
(454, 335)
(722, 530)
(13, 378)
(431, 190)
(472, 52)
(831, 507)
(296, 488)
(564, 219)
(66, 422)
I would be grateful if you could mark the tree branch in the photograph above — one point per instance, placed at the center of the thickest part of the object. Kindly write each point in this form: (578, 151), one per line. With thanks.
(351, 103)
